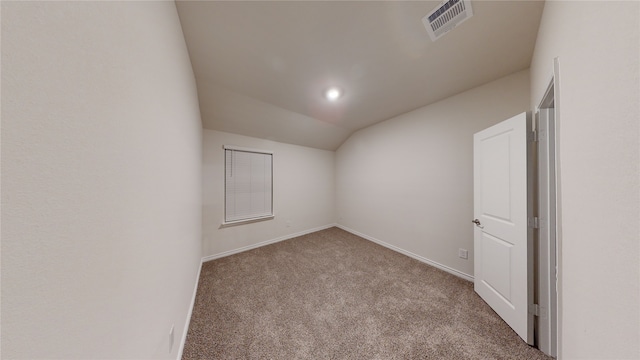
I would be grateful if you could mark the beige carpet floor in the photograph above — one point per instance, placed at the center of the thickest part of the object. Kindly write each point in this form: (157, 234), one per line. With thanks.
(333, 295)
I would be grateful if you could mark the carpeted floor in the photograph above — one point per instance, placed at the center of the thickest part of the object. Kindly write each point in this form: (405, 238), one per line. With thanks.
(333, 295)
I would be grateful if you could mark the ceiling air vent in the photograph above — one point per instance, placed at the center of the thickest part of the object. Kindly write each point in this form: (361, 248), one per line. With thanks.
(447, 16)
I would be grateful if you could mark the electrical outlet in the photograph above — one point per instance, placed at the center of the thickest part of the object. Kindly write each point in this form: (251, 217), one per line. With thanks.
(171, 338)
(463, 254)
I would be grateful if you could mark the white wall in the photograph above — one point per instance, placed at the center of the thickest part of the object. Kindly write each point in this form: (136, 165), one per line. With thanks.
(101, 180)
(408, 181)
(598, 45)
(303, 193)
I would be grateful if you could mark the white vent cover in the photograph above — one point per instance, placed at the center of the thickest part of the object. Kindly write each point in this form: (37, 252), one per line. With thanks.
(447, 16)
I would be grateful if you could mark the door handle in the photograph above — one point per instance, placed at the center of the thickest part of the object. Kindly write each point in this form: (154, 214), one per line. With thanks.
(477, 222)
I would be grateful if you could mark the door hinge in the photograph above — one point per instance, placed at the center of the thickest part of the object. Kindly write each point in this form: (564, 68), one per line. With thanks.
(537, 310)
(534, 222)
(533, 136)
(534, 309)
(542, 135)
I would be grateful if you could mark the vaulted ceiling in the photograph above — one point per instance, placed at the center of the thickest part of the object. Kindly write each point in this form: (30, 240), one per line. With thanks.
(262, 67)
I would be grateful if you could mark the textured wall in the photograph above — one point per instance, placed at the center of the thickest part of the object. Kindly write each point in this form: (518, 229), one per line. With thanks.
(598, 45)
(101, 180)
(408, 181)
(303, 192)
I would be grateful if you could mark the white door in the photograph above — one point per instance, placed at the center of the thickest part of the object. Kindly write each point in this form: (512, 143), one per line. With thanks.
(503, 260)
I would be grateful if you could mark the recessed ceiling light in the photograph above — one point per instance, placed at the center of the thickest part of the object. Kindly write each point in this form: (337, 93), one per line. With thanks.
(333, 94)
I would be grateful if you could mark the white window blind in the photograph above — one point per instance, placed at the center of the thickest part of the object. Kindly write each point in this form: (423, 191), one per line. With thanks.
(248, 185)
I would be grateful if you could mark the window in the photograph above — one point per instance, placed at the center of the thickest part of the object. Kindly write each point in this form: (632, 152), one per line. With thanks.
(248, 185)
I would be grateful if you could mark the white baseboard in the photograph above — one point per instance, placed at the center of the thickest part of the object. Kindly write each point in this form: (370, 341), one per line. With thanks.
(409, 254)
(186, 323)
(264, 243)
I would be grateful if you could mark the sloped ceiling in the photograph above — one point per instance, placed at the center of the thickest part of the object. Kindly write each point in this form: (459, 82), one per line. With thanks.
(262, 67)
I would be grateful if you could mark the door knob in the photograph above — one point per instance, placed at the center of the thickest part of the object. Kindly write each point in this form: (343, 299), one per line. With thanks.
(477, 222)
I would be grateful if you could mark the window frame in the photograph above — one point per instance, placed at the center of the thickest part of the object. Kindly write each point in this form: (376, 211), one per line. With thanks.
(227, 223)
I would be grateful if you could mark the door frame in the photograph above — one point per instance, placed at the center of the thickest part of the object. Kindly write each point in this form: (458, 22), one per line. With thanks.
(547, 205)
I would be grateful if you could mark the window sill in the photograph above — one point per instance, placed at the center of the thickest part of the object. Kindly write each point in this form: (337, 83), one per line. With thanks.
(245, 221)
